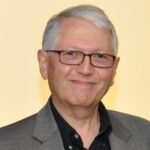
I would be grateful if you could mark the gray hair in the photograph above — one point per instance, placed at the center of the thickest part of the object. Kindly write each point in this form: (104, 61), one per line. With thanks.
(90, 13)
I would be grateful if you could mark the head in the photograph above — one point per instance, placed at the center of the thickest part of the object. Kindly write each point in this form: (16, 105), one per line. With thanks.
(82, 28)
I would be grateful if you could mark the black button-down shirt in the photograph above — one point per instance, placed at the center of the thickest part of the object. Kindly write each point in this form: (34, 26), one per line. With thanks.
(72, 140)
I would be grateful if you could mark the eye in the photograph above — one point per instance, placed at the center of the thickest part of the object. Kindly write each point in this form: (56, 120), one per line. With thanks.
(100, 56)
(71, 53)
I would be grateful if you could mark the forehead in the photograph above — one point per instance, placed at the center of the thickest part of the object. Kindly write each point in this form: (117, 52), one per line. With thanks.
(83, 34)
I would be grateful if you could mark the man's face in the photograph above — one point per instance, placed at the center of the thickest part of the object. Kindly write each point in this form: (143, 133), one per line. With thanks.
(78, 85)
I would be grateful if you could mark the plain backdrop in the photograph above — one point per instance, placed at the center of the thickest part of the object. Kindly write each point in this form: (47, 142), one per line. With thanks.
(22, 90)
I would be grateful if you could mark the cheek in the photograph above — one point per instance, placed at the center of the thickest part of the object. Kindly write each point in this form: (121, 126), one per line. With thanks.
(105, 77)
(104, 83)
(57, 76)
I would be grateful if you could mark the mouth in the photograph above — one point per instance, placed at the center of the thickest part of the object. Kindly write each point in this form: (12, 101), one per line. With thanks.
(83, 84)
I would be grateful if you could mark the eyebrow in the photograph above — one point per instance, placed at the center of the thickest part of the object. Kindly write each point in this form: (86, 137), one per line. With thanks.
(98, 50)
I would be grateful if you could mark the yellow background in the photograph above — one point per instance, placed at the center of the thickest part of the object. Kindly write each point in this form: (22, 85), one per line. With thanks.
(23, 92)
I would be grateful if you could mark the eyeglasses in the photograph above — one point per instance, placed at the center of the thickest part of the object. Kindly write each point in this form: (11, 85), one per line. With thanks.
(71, 57)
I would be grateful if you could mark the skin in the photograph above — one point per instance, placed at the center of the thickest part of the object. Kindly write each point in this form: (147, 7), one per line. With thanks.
(77, 89)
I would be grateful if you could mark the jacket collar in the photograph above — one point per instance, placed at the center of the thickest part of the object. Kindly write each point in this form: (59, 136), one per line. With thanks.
(120, 135)
(46, 130)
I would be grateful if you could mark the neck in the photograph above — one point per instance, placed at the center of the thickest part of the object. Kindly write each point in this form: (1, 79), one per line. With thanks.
(85, 120)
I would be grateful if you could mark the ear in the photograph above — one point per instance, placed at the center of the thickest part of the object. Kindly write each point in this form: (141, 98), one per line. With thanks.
(115, 66)
(43, 63)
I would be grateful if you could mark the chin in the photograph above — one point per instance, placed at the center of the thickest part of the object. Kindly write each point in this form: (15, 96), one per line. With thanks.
(82, 101)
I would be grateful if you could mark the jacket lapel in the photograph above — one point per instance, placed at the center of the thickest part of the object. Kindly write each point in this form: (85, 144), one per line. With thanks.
(117, 143)
(121, 137)
(46, 130)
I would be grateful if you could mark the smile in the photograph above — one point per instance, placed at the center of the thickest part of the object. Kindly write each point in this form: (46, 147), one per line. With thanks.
(83, 84)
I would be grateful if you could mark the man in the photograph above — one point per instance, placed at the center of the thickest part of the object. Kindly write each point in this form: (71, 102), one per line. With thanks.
(79, 59)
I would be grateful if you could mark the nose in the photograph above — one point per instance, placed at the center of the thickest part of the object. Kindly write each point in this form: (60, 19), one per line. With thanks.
(85, 67)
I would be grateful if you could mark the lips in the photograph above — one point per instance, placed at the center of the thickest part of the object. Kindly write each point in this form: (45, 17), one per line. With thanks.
(83, 83)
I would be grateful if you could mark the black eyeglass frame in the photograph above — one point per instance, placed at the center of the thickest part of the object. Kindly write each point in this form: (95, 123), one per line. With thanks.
(90, 55)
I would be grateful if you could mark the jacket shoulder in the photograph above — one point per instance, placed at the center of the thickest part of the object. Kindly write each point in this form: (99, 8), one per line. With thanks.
(136, 125)
(18, 133)
(127, 117)
(24, 124)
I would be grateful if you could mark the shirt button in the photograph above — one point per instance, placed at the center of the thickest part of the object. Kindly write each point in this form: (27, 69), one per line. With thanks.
(103, 145)
(76, 136)
(70, 147)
